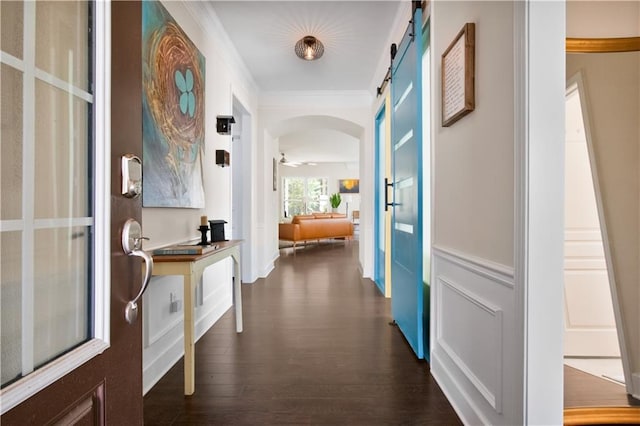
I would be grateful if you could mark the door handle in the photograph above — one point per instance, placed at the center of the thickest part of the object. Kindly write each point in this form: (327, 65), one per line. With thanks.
(387, 204)
(132, 245)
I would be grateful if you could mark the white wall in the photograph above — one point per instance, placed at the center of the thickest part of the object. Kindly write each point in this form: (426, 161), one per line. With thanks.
(472, 198)
(612, 86)
(473, 218)
(333, 172)
(493, 338)
(225, 78)
(586, 18)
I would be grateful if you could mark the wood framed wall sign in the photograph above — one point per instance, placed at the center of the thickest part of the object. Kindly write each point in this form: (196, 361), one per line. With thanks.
(458, 76)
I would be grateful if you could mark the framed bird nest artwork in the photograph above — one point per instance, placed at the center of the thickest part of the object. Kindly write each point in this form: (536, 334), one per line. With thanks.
(173, 85)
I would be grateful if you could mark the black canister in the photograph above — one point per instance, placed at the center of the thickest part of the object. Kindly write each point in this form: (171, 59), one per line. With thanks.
(217, 230)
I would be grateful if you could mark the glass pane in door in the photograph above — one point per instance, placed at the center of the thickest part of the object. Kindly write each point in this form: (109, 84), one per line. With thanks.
(10, 143)
(10, 308)
(61, 293)
(11, 27)
(61, 154)
(62, 42)
(46, 213)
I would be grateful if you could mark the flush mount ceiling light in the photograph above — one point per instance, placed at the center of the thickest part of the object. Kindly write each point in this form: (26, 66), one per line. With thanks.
(309, 48)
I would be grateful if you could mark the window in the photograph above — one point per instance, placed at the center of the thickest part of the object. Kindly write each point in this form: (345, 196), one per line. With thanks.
(304, 195)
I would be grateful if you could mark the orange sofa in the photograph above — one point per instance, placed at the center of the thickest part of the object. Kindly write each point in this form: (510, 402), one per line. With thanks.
(315, 227)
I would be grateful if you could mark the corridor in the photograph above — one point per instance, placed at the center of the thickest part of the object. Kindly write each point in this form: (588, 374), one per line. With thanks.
(317, 348)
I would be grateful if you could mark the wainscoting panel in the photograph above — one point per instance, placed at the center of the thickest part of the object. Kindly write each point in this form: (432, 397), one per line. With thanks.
(473, 336)
(478, 356)
(157, 318)
(218, 297)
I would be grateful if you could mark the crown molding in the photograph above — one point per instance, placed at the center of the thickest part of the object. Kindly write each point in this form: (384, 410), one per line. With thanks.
(207, 19)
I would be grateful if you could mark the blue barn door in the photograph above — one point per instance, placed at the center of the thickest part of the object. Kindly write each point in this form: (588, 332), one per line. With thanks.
(406, 229)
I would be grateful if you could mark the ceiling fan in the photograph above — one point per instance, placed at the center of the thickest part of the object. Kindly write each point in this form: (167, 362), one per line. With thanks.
(285, 162)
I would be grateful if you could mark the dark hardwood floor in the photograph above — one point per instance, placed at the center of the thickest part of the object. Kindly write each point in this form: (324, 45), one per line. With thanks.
(586, 390)
(317, 349)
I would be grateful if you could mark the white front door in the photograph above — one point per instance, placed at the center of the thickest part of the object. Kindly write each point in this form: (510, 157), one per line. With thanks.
(590, 328)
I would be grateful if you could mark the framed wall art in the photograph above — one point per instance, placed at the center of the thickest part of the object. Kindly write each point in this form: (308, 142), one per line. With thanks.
(173, 86)
(458, 76)
(349, 186)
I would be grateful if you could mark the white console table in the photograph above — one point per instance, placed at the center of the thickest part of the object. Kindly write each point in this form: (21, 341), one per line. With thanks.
(191, 267)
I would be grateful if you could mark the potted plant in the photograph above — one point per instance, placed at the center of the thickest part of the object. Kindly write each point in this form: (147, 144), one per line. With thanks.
(335, 201)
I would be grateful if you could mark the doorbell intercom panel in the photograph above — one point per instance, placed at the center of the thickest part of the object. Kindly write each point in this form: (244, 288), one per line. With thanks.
(131, 176)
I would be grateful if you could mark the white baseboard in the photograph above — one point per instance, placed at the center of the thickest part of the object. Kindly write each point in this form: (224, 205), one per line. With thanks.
(461, 403)
(267, 270)
(154, 370)
(635, 380)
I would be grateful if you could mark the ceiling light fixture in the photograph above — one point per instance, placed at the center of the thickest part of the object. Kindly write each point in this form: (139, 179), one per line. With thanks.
(309, 48)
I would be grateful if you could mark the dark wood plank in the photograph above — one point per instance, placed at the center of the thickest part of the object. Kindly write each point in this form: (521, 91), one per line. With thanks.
(317, 349)
(584, 390)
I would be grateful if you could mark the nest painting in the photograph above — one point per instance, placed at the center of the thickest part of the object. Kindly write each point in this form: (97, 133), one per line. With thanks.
(173, 72)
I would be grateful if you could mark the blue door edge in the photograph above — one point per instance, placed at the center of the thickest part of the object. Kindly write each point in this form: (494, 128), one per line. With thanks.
(379, 278)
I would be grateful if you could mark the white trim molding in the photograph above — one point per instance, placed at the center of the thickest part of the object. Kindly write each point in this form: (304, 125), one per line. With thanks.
(25, 388)
(496, 272)
(539, 60)
(463, 404)
(635, 380)
(207, 19)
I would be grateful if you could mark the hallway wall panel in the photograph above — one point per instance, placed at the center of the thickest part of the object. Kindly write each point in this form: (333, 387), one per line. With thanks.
(473, 204)
(471, 342)
(495, 210)
(225, 78)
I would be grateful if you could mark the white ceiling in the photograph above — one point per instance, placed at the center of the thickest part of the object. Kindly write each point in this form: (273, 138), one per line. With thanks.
(320, 146)
(355, 35)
